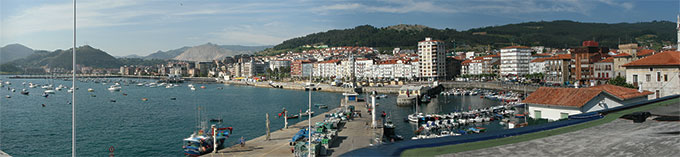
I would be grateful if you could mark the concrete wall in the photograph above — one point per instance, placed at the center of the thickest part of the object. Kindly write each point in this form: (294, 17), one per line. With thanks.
(666, 86)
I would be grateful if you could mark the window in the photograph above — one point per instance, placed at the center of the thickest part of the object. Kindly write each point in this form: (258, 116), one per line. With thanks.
(564, 115)
(635, 79)
(648, 77)
(665, 77)
(658, 76)
(537, 114)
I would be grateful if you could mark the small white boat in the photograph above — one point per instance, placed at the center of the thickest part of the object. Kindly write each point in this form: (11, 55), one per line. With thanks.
(70, 90)
(50, 91)
(90, 90)
(114, 88)
(14, 90)
(7, 96)
(192, 88)
(8, 83)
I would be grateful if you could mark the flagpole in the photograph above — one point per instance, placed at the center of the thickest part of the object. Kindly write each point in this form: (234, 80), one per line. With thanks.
(73, 85)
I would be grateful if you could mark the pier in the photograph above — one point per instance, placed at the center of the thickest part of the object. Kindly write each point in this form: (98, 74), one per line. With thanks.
(352, 135)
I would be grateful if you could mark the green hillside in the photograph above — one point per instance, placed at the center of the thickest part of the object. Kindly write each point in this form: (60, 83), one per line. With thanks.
(558, 34)
(85, 55)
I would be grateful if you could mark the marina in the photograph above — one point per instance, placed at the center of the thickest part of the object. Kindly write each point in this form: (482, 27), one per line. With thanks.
(152, 105)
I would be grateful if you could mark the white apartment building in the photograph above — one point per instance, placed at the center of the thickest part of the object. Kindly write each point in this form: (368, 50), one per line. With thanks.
(515, 60)
(432, 56)
(537, 66)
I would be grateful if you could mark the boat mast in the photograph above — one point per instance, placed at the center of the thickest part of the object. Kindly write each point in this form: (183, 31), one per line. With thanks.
(309, 115)
(73, 84)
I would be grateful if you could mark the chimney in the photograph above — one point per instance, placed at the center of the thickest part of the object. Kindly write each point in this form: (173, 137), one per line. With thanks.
(640, 87)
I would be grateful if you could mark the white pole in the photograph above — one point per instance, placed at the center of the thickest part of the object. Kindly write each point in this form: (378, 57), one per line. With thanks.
(214, 134)
(73, 84)
(374, 125)
(309, 115)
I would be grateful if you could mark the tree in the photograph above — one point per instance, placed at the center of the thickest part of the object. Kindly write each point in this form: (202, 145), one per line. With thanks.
(620, 81)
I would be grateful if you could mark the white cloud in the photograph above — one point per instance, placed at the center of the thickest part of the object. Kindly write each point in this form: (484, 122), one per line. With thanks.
(472, 6)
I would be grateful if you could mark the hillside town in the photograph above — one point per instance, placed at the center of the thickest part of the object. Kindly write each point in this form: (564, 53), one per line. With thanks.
(587, 65)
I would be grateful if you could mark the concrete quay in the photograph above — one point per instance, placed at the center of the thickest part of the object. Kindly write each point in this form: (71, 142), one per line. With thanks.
(353, 135)
(323, 87)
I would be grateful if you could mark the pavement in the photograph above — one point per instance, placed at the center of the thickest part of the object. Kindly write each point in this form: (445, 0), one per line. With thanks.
(620, 137)
(353, 135)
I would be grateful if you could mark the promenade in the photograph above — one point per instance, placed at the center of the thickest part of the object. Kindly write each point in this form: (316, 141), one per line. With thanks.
(352, 135)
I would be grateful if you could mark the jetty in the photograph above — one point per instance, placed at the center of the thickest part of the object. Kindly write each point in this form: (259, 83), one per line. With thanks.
(352, 135)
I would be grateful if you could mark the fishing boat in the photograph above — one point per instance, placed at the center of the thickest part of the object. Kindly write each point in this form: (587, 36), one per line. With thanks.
(203, 142)
(293, 117)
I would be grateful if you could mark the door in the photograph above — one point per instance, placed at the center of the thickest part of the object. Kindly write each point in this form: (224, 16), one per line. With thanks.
(537, 114)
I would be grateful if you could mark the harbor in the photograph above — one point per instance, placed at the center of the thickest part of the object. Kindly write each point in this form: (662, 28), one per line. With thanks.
(353, 134)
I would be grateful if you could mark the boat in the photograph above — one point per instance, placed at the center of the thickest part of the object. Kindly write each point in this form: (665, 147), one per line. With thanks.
(203, 142)
(14, 90)
(192, 88)
(24, 92)
(112, 100)
(322, 106)
(7, 96)
(90, 90)
(173, 98)
(307, 113)
(145, 99)
(114, 88)
(382, 96)
(292, 117)
(202, 87)
(45, 95)
(216, 120)
(50, 91)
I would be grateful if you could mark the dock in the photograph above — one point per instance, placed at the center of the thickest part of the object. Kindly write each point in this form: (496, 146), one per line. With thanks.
(353, 135)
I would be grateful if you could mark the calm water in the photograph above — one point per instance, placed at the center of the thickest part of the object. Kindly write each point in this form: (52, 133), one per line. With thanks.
(156, 127)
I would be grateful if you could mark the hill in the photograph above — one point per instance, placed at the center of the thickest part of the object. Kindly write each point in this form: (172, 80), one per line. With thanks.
(209, 51)
(14, 51)
(558, 34)
(167, 54)
(85, 55)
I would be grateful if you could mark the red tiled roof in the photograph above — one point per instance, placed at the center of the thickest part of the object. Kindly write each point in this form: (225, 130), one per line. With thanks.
(392, 61)
(645, 52)
(559, 56)
(664, 58)
(577, 97)
(621, 92)
(538, 60)
(330, 61)
(515, 47)
(608, 60)
(466, 62)
(573, 97)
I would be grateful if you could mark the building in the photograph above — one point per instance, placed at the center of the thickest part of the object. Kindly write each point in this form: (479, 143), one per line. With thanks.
(558, 103)
(537, 66)
(278, 64)
(296, 68)
(557, 69)
(603, 70)
(659, 73)
(432, 56)
(627, 54)
(452, 67)
(465, 67)
(515, 60)
(583, 60)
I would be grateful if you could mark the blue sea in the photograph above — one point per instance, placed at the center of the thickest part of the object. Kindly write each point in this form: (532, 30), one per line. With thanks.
(157, 126)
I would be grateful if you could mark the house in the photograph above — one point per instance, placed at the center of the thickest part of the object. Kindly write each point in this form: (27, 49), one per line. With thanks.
(603, 71)
(558, 103)
(659, 73)
(557, 69)
(515, 60)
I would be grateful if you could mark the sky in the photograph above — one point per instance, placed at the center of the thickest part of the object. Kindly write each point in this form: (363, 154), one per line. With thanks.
(141, 27)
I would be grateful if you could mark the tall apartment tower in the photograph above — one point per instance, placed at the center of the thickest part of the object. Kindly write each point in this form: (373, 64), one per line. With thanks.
(677, 26)
(432, 59)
